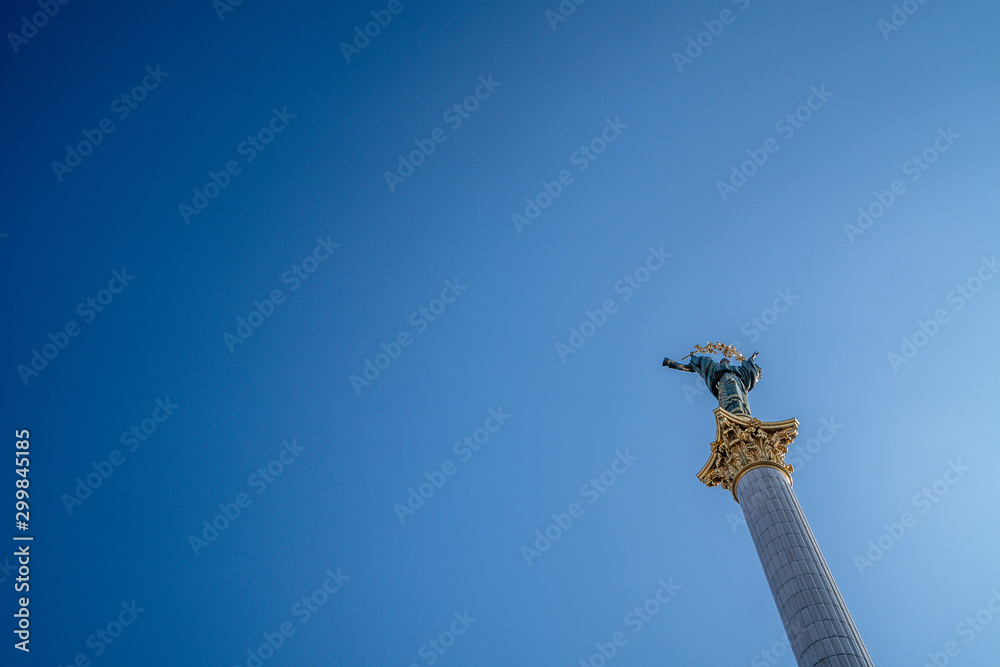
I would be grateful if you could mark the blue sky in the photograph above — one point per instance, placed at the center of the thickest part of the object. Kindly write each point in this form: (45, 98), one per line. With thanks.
(684, 194)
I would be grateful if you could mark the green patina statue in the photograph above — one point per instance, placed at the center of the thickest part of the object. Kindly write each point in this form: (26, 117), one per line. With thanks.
(729, 384)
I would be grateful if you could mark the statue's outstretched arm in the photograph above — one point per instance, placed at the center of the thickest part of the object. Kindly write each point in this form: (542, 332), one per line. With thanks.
(670, 363)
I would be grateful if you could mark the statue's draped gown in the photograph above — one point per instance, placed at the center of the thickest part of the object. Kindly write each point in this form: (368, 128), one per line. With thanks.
(730, 384)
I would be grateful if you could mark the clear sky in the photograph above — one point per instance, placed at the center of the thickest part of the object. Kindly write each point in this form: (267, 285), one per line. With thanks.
(313, 329)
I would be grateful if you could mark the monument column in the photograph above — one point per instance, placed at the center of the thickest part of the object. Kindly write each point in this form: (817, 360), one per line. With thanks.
(748, 460)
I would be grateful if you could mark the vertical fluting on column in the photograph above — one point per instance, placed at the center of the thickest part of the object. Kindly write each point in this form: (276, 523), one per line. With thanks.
(819, 627)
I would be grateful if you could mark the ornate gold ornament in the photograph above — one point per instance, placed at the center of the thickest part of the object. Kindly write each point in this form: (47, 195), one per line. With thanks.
(743, 443)
(722, 348)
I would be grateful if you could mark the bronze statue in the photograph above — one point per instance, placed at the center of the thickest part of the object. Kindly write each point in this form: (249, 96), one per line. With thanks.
(730, 384)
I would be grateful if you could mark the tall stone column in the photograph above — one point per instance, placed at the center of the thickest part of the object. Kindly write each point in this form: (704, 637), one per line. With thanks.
(748, 460)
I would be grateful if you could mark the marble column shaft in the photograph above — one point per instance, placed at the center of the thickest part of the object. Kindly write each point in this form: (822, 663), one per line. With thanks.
(819, 627)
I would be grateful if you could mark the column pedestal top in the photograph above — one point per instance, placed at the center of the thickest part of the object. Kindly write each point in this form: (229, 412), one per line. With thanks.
(743, 443)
